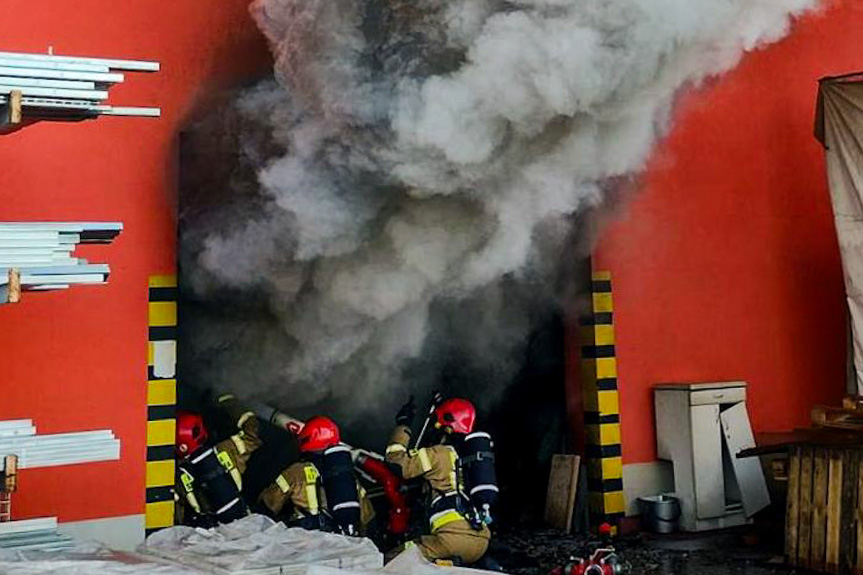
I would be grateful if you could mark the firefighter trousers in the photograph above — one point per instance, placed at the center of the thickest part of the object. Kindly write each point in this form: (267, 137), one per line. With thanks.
(456, 540)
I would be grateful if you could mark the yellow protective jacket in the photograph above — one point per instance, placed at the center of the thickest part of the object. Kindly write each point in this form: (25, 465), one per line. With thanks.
(451, 534)
(300, 485)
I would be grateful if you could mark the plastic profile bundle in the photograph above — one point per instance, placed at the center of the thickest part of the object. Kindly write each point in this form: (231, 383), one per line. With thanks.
(71, 88)
(18, 437)
(42, 254)
(33, 535)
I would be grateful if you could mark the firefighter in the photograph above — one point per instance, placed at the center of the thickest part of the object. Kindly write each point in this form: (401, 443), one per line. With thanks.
(321, 488)
(210, 477)
(456, 531)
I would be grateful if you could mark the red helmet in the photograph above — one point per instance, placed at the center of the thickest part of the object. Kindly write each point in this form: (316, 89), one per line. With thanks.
(456, 414)
(318, 434)
(191, 432)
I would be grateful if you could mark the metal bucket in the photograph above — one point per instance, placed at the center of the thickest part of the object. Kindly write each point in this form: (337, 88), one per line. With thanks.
(660, 513)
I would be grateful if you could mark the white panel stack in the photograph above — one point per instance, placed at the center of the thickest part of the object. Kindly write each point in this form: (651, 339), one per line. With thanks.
(18, 437)
(33, 535)
(67, 87)
(42, 252)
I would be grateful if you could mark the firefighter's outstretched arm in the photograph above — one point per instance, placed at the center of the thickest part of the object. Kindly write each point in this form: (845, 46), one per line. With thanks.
(248, 438)
(412, 463)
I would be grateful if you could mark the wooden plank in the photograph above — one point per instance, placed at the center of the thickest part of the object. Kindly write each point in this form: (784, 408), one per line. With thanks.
(573, 490)
(859, 519)
(837, 418)
(852, 402)
(792, 507)
(819, 509)
(848, 535)
(805, 525)
(834, 511)
(562, 484)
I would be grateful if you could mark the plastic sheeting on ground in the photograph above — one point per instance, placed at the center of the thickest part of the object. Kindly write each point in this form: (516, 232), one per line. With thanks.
(252, 546)
(84, 559)
(256, 545)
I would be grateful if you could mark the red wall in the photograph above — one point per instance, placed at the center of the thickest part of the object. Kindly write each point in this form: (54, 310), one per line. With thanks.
(77, 360)
(725, 264)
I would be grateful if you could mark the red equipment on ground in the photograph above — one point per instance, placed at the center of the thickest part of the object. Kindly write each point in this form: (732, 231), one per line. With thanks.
(603, 561)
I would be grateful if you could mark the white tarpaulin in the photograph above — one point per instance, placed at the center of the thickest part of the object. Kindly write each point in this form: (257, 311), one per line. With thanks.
(839, 127)
(252, 546)
(256, 545)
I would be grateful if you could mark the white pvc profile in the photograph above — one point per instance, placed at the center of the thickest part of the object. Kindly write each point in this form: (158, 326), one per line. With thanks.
(87, 106)
(62, 279)
(134, 65)
(54, 437)
(15, 423)
(24, 234)
(46, 258)
(104, 77)
(63, 226)
(63, 451)
(26, 525)
(56, 92)
(55, 270)
(37, 444)
(31, 457)
(13, 242)
(58, 66)
(21, 252)
(51, 249)
(43, 83)
(129, 111)
(57, 103)
(15, 432)
(17, 262)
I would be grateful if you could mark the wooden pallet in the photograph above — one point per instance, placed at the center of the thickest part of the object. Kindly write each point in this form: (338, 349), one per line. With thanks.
(824, 514)
(849, 416)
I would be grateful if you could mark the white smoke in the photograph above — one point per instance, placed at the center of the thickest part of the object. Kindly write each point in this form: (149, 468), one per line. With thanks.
(423, 164)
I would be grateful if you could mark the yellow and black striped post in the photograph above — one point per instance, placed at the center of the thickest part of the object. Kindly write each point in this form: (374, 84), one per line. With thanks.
(601, 405)
(161, 401)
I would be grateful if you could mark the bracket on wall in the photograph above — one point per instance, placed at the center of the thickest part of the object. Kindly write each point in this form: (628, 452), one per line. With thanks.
(11, 118)
(11, 291)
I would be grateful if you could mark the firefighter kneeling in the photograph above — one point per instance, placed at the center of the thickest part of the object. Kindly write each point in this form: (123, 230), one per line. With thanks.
(210, 476)
(458, 529)
(321, 487)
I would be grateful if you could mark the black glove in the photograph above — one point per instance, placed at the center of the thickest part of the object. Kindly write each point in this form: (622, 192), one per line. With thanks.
(406, 414)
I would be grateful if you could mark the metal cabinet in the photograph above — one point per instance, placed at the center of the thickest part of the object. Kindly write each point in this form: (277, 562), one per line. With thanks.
(700, 428)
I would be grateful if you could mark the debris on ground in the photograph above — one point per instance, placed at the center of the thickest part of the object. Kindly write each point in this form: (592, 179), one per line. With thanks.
(541, 551)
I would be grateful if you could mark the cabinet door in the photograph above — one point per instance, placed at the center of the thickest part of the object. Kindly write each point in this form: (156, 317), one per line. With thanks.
(750, 476)
(707, 461)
